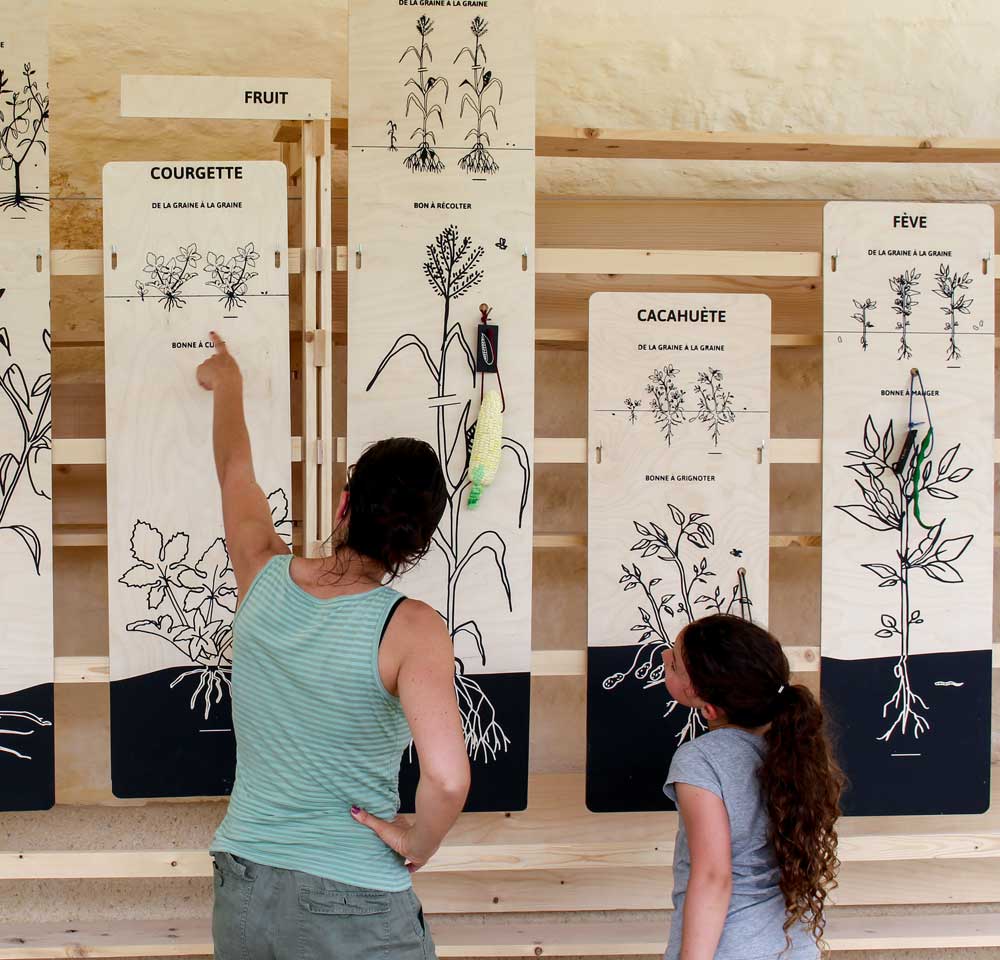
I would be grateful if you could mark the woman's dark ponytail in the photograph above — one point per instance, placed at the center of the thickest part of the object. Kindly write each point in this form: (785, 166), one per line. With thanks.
(739, 668)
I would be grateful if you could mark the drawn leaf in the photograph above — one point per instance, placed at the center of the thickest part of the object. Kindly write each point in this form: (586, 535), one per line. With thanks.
(147, 543)
(959, 475)
(884, 634)
(945, 463)
(866, 516)
(951, 550)
(31, 541)
(880, 569)
(525, 464)
(401, 344)
(676, 515)
(888, 441)
(641, 529)
(472, 629)
(175, 550)
(940, 493)
(941, 571)
(4, 336)
(650, 550)
(7, 462)
(42, 384)
(40, 470)
(15, 382)
(489, 541)
(631, 586)
(872, 438)
(888, 621)
(142, 575)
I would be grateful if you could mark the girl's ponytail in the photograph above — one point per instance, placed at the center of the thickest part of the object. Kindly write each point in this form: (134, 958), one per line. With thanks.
(739, 668)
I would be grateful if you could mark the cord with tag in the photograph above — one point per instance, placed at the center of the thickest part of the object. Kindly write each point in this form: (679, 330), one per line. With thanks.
(487, 444)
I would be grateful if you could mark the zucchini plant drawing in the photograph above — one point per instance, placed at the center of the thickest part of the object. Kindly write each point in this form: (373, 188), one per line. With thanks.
(686, 551)
(28, 723)
(167, 277)
(424, 158)
(453, 267)
(890, 503)
(479, 159)
(231, 276)
(906, 288)
(197, 599)
(863, 308)
(24, 125)
(666, 400)
(950, 285)
(715, 403)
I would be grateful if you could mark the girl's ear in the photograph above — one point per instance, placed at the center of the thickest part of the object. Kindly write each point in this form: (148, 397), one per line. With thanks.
(710, 713)
(343, 506)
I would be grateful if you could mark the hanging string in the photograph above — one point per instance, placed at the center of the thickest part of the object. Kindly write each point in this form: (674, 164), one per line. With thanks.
(484, 311)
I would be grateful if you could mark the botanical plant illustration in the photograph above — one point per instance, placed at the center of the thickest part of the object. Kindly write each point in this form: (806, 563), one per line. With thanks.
(863, 308)
(168, 277)
(424, 159)
(232, 276)
(666, 400)
(890, 504)
(715, 403)
(31, 460)
(691, 598)
(906, 288)
(29, 719)
(632, 405)
(391, 128)
(950, 286)
(479, 159)
(24, 119)
(452, 268)
(200, 596)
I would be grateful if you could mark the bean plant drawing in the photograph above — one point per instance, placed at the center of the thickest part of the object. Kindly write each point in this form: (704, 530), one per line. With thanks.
(24, 119)
(424, 158)
(479, 159)
(31, 721)
(715, 403)
(231, 276)
(194, 600)
(168, 277)
(863, 308)
(906, 288)
(453, 267)
(890, 503)
(950, 286)
(666, 400)
(632, 406)
(686, 551)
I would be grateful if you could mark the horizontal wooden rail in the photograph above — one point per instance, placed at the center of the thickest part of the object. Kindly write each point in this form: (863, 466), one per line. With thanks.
(495, 938)
(595, 142)
(81, 451)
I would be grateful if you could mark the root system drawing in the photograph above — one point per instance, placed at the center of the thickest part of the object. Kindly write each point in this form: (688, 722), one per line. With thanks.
(26, 724)
(906, 288)
(686, 551)
(950, 286)
(863, 308)
(231, 276)
(666, 400)
(478, 92)
(891, 502)
(425, 91)
(168, 277)
(715, 403)
(198, 599)
(24, 120)
(453, 267)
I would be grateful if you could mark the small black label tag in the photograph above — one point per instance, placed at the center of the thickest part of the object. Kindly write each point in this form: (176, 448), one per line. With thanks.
(487, 348)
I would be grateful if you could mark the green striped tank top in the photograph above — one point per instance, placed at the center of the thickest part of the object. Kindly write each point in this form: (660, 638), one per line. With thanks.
(316, 731)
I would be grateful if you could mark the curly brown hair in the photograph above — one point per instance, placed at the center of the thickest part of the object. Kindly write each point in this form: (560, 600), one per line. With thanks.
(741, 669)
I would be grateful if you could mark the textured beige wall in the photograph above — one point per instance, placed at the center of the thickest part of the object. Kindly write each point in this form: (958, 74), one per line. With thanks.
(915, 67)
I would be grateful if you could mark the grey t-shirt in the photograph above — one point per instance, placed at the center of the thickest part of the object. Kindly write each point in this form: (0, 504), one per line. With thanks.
(725, 762)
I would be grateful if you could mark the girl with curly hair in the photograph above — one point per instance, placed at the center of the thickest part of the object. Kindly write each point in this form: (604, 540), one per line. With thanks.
(758, 795)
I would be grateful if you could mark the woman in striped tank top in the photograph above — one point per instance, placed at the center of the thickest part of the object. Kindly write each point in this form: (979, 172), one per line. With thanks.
(333, 673)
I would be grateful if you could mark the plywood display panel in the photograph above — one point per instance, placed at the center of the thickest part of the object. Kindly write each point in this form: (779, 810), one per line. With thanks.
(679, 420)
(442, 219)
(26, 698)
(189, 248)
(907, 530)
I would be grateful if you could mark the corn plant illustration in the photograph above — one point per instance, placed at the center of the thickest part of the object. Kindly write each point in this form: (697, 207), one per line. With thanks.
(453, 267)
(479, 159)
(950, 285)
(715, 403)
(24, 120)
(863, 308)
(666, 400)
(891, 503)
(632, 406)
(690, 579)
(231, 276)
(906, 288)
(200, 597)
(168, 277)
(425, 89)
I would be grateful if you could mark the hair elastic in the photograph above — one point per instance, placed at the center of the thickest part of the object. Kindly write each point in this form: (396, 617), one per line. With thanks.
(781, 690)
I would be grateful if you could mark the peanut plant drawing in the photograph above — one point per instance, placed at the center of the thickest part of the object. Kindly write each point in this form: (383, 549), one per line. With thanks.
(863, 308)
(666, 400)
(890, 504)
(479, 159)
(424, 158)
(168, 277)
(231, 276)
(715, 403)
(950, 286)
(24, 119)
(31, 721)
(200, 596)
(453, 267)
(906, 288)
(632, 406)
(692, 597)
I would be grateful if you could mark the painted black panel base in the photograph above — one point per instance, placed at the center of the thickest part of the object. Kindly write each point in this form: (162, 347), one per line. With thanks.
(502, 783)
(160, 747)
(27, 775)
(629, 741)
(946, 770)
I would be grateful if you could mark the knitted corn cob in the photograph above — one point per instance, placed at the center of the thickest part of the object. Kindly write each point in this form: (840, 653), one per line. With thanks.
(487, 446)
